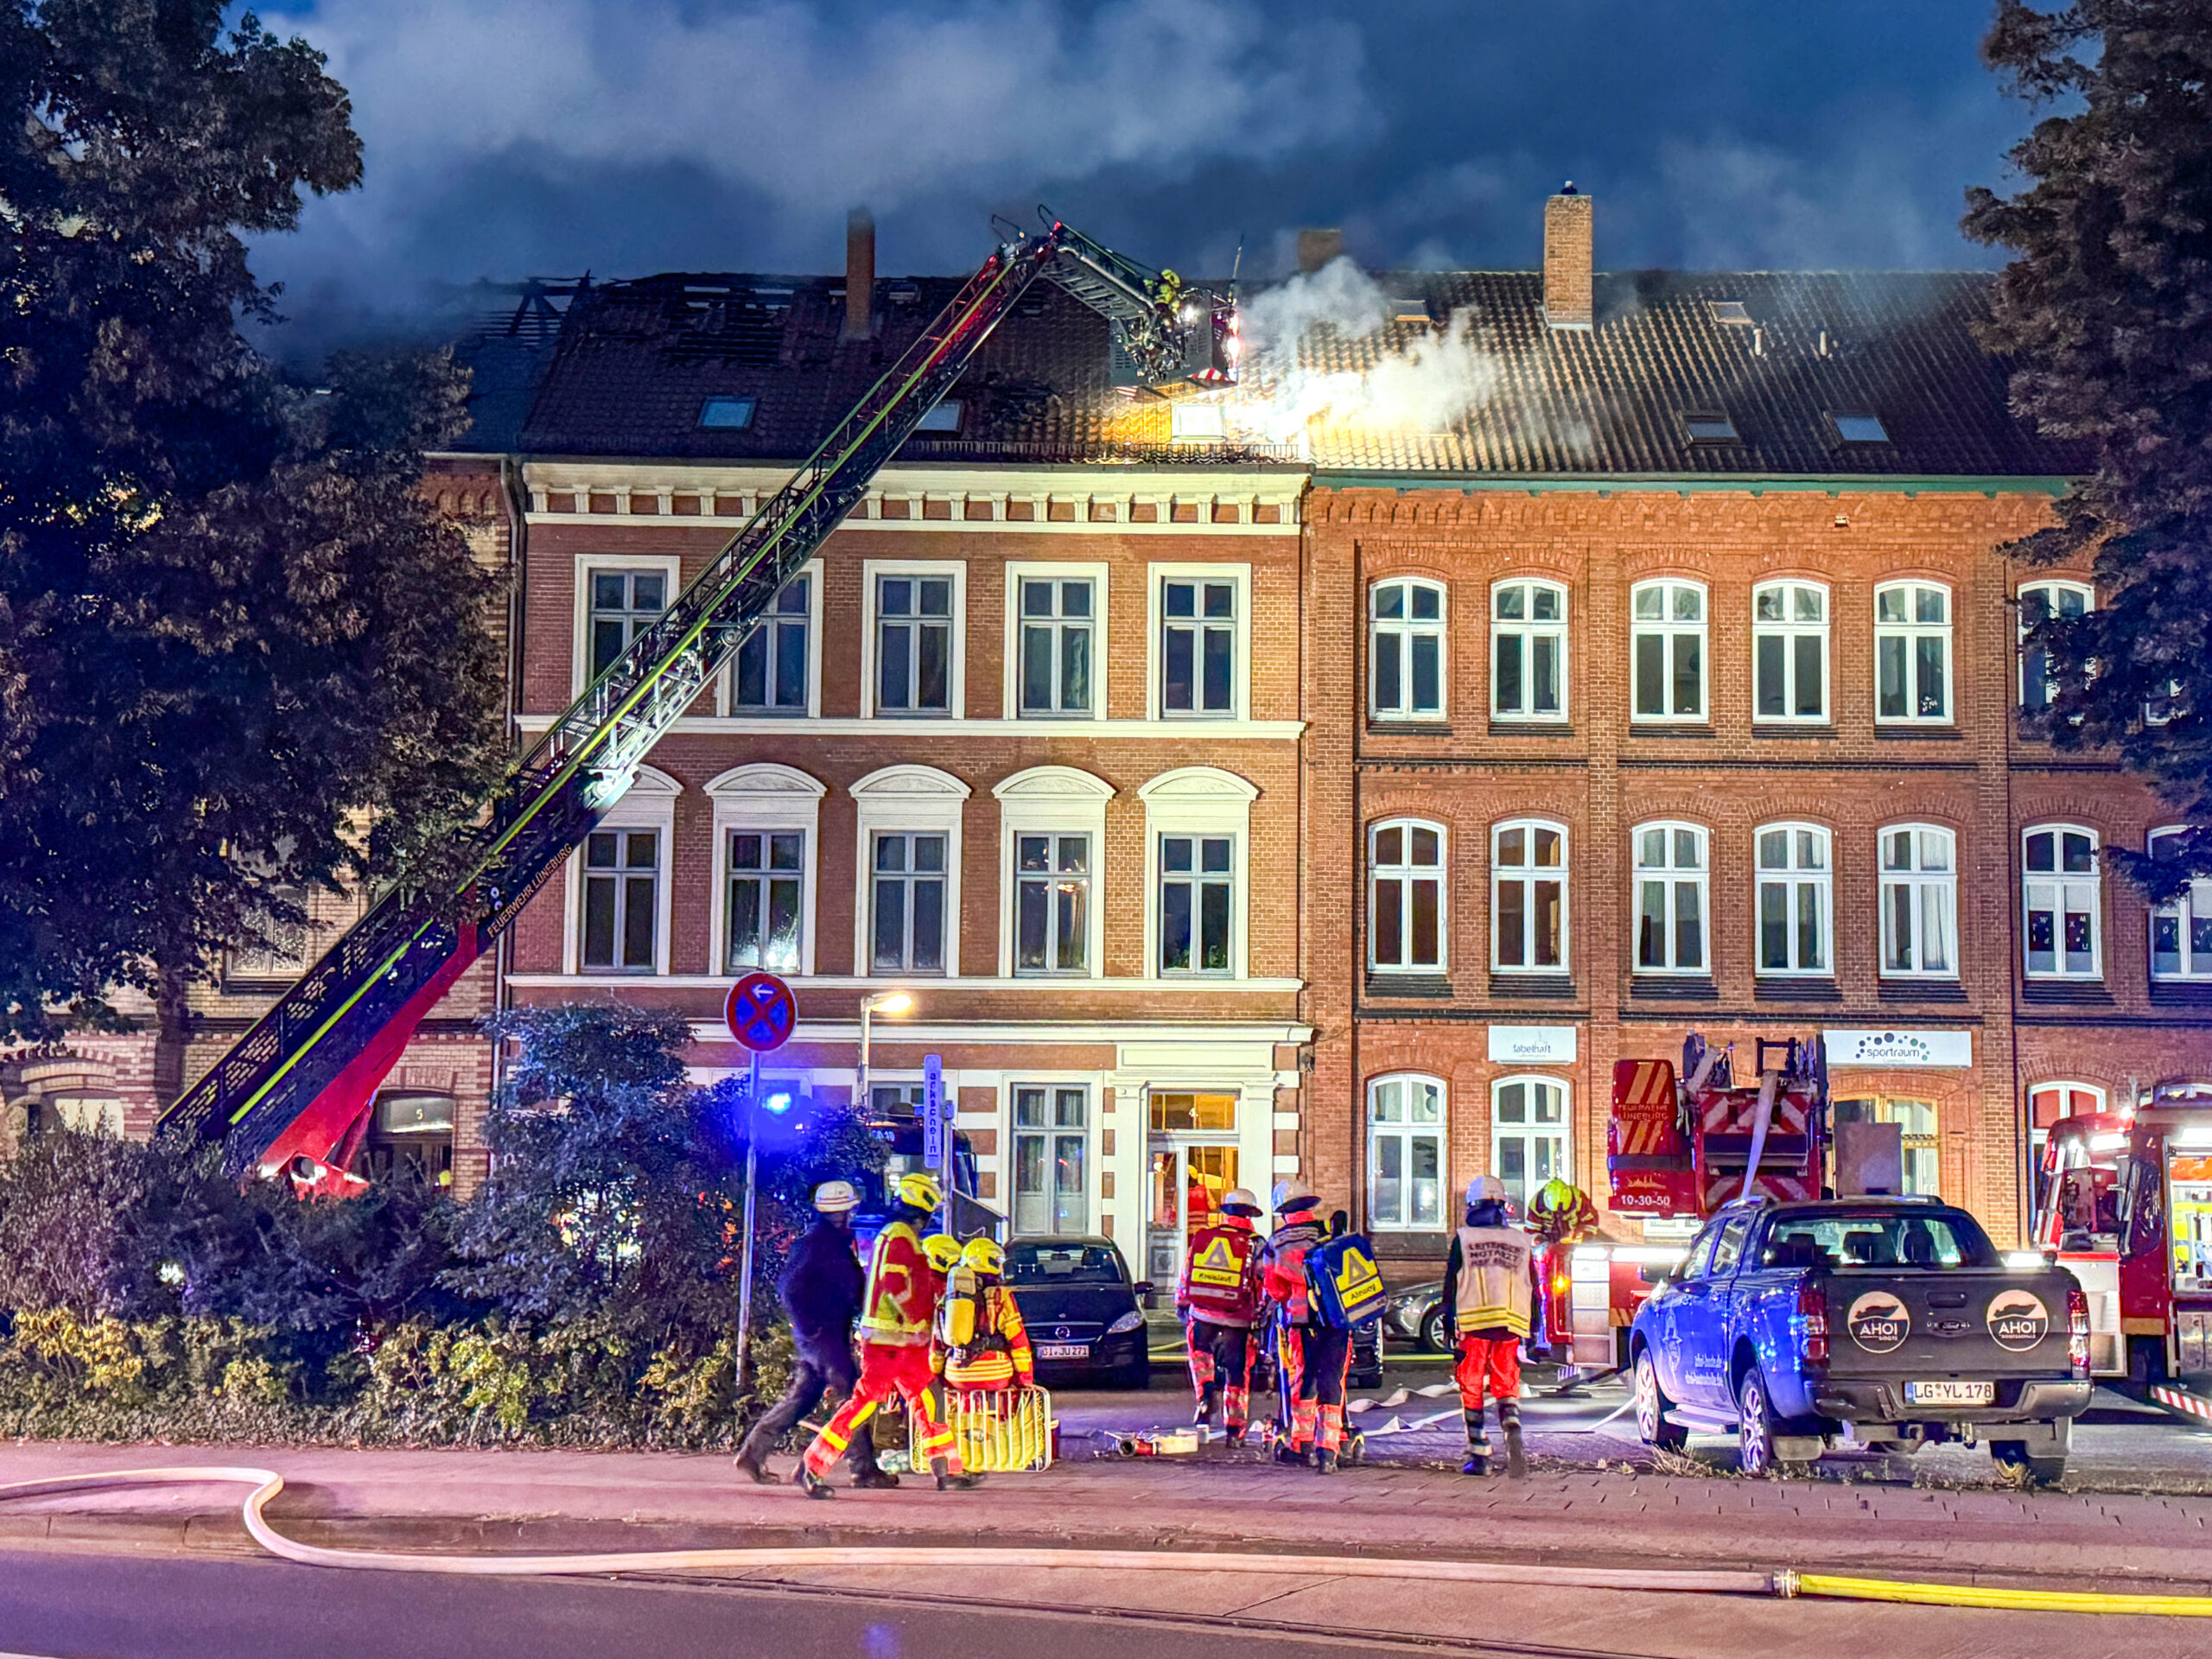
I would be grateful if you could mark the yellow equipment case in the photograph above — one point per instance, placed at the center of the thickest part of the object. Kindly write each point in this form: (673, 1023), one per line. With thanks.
(998, 1431)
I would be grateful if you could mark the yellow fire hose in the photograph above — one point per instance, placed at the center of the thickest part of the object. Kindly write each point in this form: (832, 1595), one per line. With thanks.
(267, 1484)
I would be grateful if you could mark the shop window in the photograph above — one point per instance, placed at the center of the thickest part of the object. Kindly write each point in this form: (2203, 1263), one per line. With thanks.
(1051, 1159)
(1171, 1110)
(1405, 1153)
(1527, 1136)
(1915, 1119)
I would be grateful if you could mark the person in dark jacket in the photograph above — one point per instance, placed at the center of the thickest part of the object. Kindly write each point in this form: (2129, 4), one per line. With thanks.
(820, 1291)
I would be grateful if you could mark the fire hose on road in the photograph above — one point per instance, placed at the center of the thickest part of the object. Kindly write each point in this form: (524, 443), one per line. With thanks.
(1785, 1582)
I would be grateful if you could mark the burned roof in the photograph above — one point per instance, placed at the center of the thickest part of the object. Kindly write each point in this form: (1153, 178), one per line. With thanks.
(1757, 374)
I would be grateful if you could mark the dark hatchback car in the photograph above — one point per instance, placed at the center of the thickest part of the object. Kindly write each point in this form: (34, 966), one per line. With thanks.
(1081, 1312)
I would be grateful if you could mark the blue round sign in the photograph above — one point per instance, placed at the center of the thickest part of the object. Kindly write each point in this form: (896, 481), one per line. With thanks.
(761, 1012)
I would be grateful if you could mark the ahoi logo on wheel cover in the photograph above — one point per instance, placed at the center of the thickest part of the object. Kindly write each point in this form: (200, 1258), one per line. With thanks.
(2018, 1319)
(1878, 1322)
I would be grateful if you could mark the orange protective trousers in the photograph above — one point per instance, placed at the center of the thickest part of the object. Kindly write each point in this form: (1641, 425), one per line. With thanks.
(1489, 1367)
(889, 1372)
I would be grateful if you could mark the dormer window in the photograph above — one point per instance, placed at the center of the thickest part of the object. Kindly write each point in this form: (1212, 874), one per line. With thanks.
(1859, 427)
(728, 414)
(1709, 426)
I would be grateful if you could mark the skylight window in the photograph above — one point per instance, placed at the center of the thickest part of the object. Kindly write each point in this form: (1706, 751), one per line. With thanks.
(1196, 423)
(1410, 310)
(1708, 426)
(1729, 312)
(1861, 427)
(945, 417)
(730, 414)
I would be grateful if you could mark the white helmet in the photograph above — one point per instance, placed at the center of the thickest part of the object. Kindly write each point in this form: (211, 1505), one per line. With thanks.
(1486, 1189)
(836, 1198)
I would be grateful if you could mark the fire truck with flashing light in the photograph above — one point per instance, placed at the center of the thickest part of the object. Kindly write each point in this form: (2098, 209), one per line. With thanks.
(2124, 1201)
(1681, 1143)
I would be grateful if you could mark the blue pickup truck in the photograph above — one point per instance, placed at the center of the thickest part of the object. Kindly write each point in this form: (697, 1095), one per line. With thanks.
(1888, 1323)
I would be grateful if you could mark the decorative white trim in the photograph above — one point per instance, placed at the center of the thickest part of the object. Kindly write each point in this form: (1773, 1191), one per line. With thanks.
(1101, 652)
(1199, 801)
(1216, 731)
(1044, 800)
(907, 798)
(649, 805)
(969, 983)
(1240, 671)
(766, 796)
(670, 564)
(957, 692)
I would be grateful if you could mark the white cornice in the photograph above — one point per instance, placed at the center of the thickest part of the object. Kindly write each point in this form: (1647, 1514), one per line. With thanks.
(894, 729)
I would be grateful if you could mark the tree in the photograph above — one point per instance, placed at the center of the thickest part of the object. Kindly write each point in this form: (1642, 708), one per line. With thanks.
(2107, 308)
(240, 654)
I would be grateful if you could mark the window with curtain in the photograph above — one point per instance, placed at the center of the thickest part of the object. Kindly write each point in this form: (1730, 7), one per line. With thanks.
(1666, 650)
(1912, 653)
(1528, 897)
(1527, 633)
(1406, 649)
(1795, 899)
(1405, 1153)
(2060, 894)
(1789, 652)
(1920, 902)
(1405, 915)
(1671, 874)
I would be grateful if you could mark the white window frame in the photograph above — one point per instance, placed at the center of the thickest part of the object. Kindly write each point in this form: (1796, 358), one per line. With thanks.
(2185, 907)
(1407, 873)
(1405, 631)
(1531, 873)
(1011, 1164)
(1789, 631)
(812, 571)
(1405, 1132)
(1919, 880)
(911, 799)
(1046, 571)
(1792, 878)
(2053, 585)
(1909, 633)
(1531, 1129)
(765, 797)
(1526, 631)
(2062, 881)
(1053, 801)
(1670, 632)
(1671, 877)
(649, 805)
(669, 564)
(1199, 801)
(1157, 577)
(871, 572)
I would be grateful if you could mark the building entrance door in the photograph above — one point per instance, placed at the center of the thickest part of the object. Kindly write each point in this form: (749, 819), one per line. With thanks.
(1188, 1180)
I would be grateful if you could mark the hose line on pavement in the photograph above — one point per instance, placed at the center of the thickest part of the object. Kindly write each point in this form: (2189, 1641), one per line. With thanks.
(267, 1484)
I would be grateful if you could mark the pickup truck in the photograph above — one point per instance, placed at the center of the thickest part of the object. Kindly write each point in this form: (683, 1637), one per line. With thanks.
(1882, 1322)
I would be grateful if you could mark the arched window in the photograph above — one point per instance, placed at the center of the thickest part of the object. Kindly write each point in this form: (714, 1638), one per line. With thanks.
(1405, 897)
(1920, 902)
(1405, 1153)
(1528, 897)
(1527, 1136)
(2060, 893)
(1671, 875)
(1795, 899)
(1912, 653)
(2041, 602)
(1406, 647)
(1789, 652)
(1667, 636)
(1528, 633)
(2181, 928)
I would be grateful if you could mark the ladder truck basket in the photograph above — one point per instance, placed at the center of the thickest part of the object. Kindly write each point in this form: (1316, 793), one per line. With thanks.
(997, 1431)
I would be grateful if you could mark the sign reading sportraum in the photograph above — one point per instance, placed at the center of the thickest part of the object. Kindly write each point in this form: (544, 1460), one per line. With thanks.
(1526, 1045)
(1928, 1048)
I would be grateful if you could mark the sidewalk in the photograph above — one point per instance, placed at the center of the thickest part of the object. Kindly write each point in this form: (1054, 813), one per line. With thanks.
(563, 1500)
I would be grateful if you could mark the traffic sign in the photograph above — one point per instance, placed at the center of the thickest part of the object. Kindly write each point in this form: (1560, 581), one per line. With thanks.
(761, 1012)
(933, 1113)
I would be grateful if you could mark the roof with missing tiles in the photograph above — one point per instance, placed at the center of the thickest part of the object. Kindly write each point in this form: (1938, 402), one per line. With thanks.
(637, 362)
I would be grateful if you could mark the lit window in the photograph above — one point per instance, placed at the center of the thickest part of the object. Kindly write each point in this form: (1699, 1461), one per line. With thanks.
(1051, 1154)
(1670, 878)
(1052, 906)
(1667, 631)
(1197, 647)
(1056, 645)
(768, 882)
(1405, 1153)
(2060, 894)
(1789, 652)
(1197, 885)
(2041, 602)
(1528, 1134)
(771, 662)
(909, 903)
(1796, 896)
(1406, 640)
(730, 414)
(914, 644)
(624, 604)
(2181, 928)
(1920, 902)
(1859, 428)
(1912, 653)
(1528, 897)
(1405, 928)
(1528, 633)
(943, 418)
(621, 884)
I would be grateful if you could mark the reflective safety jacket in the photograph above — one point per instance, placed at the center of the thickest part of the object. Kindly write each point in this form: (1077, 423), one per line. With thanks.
(1221, 1275)
(980, 1334)
(1282, 1262)
(1562, 1213)
(1487, 1281)
(902, 1290)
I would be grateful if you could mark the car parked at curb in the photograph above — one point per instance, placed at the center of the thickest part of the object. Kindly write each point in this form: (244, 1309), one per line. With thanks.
(1416, 1315)
(1082, 1312)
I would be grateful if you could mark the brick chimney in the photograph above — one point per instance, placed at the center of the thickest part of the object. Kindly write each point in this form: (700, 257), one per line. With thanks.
(860, 275)
(1317, 248)
(1569, 256)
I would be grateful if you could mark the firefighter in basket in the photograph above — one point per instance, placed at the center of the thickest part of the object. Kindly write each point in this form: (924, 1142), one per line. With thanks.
(1561, 1217)
(1486, 1304)
(1290, 1315)
(898, 1313)
(1218, 1302)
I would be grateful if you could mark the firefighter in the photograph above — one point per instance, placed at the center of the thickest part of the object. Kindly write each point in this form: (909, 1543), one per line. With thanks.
(1561, 1217)
(1218, 1301)
(1167, 293)
(1486, 1302)
(1343, 1291)
(1283, 1266)
(821, 1293)
(979, 1326)
(898, 1311)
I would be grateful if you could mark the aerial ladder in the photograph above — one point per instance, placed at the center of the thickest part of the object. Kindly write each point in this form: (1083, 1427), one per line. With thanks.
(293, 1096)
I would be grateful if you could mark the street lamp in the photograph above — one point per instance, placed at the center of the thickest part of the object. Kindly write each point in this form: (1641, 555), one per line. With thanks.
(891, 1003)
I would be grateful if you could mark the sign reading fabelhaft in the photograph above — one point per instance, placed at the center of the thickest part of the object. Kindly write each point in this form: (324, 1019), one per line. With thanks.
(1532, 1045)
(1931, 1048)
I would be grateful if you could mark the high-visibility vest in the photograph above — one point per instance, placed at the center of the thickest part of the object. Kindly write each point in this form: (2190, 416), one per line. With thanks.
(1221, 1273)
(1492, 1291)
(980, 1328)
(902, 1290)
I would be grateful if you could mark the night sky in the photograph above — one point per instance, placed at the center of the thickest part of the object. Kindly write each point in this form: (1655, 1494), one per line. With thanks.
(541, 138)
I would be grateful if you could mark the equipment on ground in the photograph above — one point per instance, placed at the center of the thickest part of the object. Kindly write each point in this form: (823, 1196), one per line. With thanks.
(295, 1094)
(999, 1431)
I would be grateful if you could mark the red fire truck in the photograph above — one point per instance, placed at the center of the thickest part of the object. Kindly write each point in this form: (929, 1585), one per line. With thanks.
(1678, 1146)
(2125, 1201)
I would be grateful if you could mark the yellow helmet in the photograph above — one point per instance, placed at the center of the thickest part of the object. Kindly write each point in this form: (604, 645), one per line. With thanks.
(943, 1250)
(920, 1190)
(984, 1256)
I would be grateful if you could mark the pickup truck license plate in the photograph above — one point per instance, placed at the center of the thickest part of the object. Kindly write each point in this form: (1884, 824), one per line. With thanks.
(1950, 1394)
(1063, 1351)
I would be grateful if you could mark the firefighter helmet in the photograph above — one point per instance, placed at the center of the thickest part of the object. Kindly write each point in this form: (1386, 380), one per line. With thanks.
(1239, 1201)
(836, 1198)
(1485, 1189)
(920, 1190)
(943, 1250)
(983, 1255)
(1289, 1197)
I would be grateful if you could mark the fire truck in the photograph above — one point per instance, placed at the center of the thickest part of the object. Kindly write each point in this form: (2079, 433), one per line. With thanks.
(1682, 1143)
(2124, 1201)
